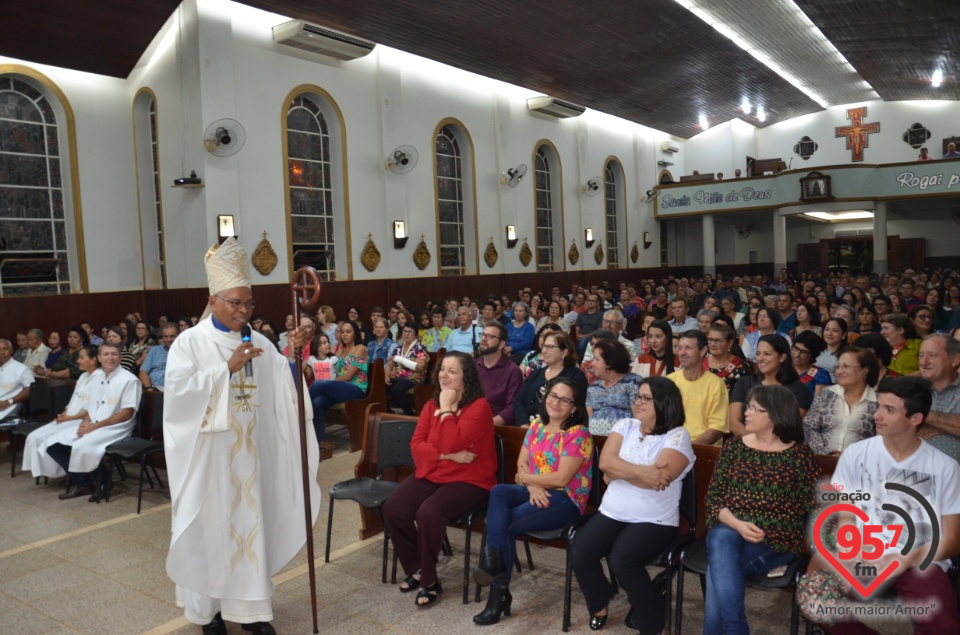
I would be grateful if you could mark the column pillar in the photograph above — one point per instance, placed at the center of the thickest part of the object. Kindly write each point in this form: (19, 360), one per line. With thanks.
(709, 246)
(779, 242)
(880, 238)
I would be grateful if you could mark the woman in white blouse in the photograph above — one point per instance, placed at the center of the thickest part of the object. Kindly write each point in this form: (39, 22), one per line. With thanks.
(644, 461)
(842, 414)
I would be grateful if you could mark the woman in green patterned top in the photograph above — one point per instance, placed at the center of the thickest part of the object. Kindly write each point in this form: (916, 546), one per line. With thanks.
(350, 382)
(757, 504)
(67, 366)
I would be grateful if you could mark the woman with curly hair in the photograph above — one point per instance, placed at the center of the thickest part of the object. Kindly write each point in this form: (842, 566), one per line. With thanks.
(552, 489)
(456, 467)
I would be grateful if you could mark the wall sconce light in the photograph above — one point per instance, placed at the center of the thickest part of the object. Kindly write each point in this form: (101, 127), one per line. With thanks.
(400, 237)
(647, 241)
(224, 227)
(588, 237)
(511, 236)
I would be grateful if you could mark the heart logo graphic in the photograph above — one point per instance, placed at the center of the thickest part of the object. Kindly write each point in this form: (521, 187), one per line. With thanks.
(864, 591)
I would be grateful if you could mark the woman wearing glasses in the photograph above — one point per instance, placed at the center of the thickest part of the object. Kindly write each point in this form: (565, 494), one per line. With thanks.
(806, 348)
(720, 359)
(843, 413)
(552, 489)
(644, 461)
(759, 496)
(559, 357)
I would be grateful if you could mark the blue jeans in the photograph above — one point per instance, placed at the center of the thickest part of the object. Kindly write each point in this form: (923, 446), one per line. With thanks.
(510, 514)
(326, 393)
(731, 560)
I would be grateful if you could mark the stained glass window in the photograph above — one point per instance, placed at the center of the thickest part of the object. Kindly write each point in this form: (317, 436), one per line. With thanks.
(33, 234)
(544, 209)
(311, 187)
(612, 212)
(450, 203)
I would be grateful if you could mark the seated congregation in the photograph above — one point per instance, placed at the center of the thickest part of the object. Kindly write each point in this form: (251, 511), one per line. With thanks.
(609, 399)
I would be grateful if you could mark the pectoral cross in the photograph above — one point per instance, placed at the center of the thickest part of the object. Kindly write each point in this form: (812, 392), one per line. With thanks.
(243, 396)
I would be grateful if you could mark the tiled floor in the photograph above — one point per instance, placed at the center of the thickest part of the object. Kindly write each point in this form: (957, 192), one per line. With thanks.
(71, 567)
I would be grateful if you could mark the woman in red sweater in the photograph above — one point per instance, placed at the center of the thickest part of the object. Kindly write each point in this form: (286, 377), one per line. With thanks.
(456, 461)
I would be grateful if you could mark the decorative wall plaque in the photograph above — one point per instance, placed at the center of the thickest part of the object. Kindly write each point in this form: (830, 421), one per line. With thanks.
(574, 254)
(634, 253)
(598, 254)
(805, 147)
(370, 257)
(916, 135)
(264, 258)
(421, 256)
(525, 254)
(490, 255)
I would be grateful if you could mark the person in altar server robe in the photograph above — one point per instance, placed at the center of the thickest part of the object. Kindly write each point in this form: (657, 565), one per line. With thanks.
(232, 441)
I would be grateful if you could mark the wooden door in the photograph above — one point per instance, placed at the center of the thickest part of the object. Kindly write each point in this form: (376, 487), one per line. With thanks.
(907, 253)
(812, 257)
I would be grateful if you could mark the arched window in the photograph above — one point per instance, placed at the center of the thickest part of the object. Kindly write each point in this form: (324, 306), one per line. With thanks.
(151, 209)
(613, 210)
(456, 206)
(548, 205)
(315, 185)
(450, 200)
(35, 256)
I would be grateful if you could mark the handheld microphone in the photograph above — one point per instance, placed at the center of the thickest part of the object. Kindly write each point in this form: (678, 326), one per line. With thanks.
(245, 338)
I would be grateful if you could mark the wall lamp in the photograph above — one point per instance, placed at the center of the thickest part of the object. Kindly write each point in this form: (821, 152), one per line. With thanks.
(400, 236)
(647, 240)
(225, 227)
(511, 236)
(588, 237)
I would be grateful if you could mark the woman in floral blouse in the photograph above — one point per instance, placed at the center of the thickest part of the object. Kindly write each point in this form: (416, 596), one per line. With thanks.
(720, 360)
(406, 368)
(553, 486)
(350, 382)
(757, 503)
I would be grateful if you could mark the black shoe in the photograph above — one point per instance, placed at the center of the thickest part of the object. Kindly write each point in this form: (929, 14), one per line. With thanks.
(491, 566)
(498, 602)
(103, 489)
(215, 627)
(598, 621)
(259, 628)
(628, 620)
(431, 593)
(412, 584)
(76, 492)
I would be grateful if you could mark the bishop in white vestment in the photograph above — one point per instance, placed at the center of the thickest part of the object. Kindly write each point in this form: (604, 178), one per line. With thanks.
(233, 457)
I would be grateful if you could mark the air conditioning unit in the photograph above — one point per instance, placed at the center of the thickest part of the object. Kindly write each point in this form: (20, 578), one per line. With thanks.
(852, 233)
(554, 107)
(669, 146)
(319, 39)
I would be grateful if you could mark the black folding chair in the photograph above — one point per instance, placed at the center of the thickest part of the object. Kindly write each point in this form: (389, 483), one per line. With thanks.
(143, 444)
(48, 407)
(393, 450)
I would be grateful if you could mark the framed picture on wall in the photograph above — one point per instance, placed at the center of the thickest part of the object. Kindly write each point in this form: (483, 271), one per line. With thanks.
(815, 187)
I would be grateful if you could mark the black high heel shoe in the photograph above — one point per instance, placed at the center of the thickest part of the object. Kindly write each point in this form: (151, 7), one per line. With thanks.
(103, 487)
(598, 621)
(491, 566)
(498, 602)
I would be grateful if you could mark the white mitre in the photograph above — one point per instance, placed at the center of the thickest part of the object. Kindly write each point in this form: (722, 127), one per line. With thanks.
(227, 268)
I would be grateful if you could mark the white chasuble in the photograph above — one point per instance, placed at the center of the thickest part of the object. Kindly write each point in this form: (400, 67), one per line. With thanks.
(233, 459)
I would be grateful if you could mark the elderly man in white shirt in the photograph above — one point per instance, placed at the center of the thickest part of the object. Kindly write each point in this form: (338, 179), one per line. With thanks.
(37, 351)
(15, 381)
(616, 322)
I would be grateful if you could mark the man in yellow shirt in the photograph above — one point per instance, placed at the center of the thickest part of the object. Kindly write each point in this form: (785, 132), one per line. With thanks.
(705, 398)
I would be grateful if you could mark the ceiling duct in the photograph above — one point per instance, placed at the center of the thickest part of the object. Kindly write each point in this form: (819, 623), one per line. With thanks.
(555, 107)
(318, 39)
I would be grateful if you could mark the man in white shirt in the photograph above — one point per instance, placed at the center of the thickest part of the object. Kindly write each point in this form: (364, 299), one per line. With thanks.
(615, 322)
(37, 351)
(15, 381)
(897, 456)
(681, 321)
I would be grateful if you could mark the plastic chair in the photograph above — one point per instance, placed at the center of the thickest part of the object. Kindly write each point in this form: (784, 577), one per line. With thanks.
(393, 450)
(146, 442)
